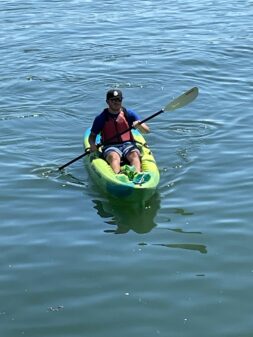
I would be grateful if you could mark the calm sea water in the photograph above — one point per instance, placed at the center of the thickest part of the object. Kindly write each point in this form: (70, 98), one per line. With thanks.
(73, 263)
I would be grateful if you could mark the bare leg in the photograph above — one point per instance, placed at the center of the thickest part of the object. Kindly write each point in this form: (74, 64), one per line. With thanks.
(134, 159)
(113, 158)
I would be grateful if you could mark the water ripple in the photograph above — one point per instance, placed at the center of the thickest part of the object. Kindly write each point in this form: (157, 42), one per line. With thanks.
(61, 177)
(194, 129)
(10, 116)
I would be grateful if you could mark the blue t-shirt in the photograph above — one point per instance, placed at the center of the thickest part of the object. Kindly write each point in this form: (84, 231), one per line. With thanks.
(99, 121)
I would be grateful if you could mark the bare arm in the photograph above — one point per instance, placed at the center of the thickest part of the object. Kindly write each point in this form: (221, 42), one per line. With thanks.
(92, 140)
(143, 128)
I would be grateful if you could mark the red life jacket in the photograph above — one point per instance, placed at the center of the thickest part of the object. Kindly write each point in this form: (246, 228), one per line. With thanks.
(114, 126)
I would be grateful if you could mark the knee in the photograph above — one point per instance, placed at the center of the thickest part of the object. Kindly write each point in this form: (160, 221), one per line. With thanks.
(133, 156)
(113, 156)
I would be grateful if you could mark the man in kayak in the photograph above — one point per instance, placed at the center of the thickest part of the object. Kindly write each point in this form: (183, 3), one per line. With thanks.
(111, 122)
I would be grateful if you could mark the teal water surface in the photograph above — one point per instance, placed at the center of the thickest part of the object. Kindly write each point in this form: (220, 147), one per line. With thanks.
(75, 263)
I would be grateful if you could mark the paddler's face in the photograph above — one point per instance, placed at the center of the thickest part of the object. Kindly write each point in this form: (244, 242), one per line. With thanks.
(114, 104)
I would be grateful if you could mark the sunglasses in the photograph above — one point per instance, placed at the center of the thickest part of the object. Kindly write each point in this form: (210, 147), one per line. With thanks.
(116, 99)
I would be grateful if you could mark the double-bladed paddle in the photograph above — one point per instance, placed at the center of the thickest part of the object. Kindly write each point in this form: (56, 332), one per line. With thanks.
(177, 103)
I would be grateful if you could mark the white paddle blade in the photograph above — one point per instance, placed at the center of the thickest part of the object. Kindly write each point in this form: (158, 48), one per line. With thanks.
(182, 100)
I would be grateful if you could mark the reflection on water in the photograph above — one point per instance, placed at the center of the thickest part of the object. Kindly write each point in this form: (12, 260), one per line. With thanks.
(182, 211)
(191, 246)
(179, 230)
(136, 217)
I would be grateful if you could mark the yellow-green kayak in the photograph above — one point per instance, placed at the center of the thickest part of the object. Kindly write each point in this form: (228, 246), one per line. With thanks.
(127, 185)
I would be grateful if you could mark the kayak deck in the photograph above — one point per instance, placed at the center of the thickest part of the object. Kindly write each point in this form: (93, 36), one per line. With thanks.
(127, 185)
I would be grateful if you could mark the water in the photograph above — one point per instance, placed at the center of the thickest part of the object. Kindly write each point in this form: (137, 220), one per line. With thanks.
(74, 263)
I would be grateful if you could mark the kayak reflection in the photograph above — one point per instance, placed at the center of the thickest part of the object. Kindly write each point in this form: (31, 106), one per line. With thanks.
(136, 217)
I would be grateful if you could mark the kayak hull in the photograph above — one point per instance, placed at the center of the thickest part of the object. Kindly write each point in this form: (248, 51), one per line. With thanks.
(120, 185)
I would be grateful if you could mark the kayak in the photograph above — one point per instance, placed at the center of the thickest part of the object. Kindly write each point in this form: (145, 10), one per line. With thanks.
(127, 185)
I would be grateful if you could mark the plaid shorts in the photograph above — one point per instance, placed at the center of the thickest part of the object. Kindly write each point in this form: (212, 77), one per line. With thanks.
(122, 149)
